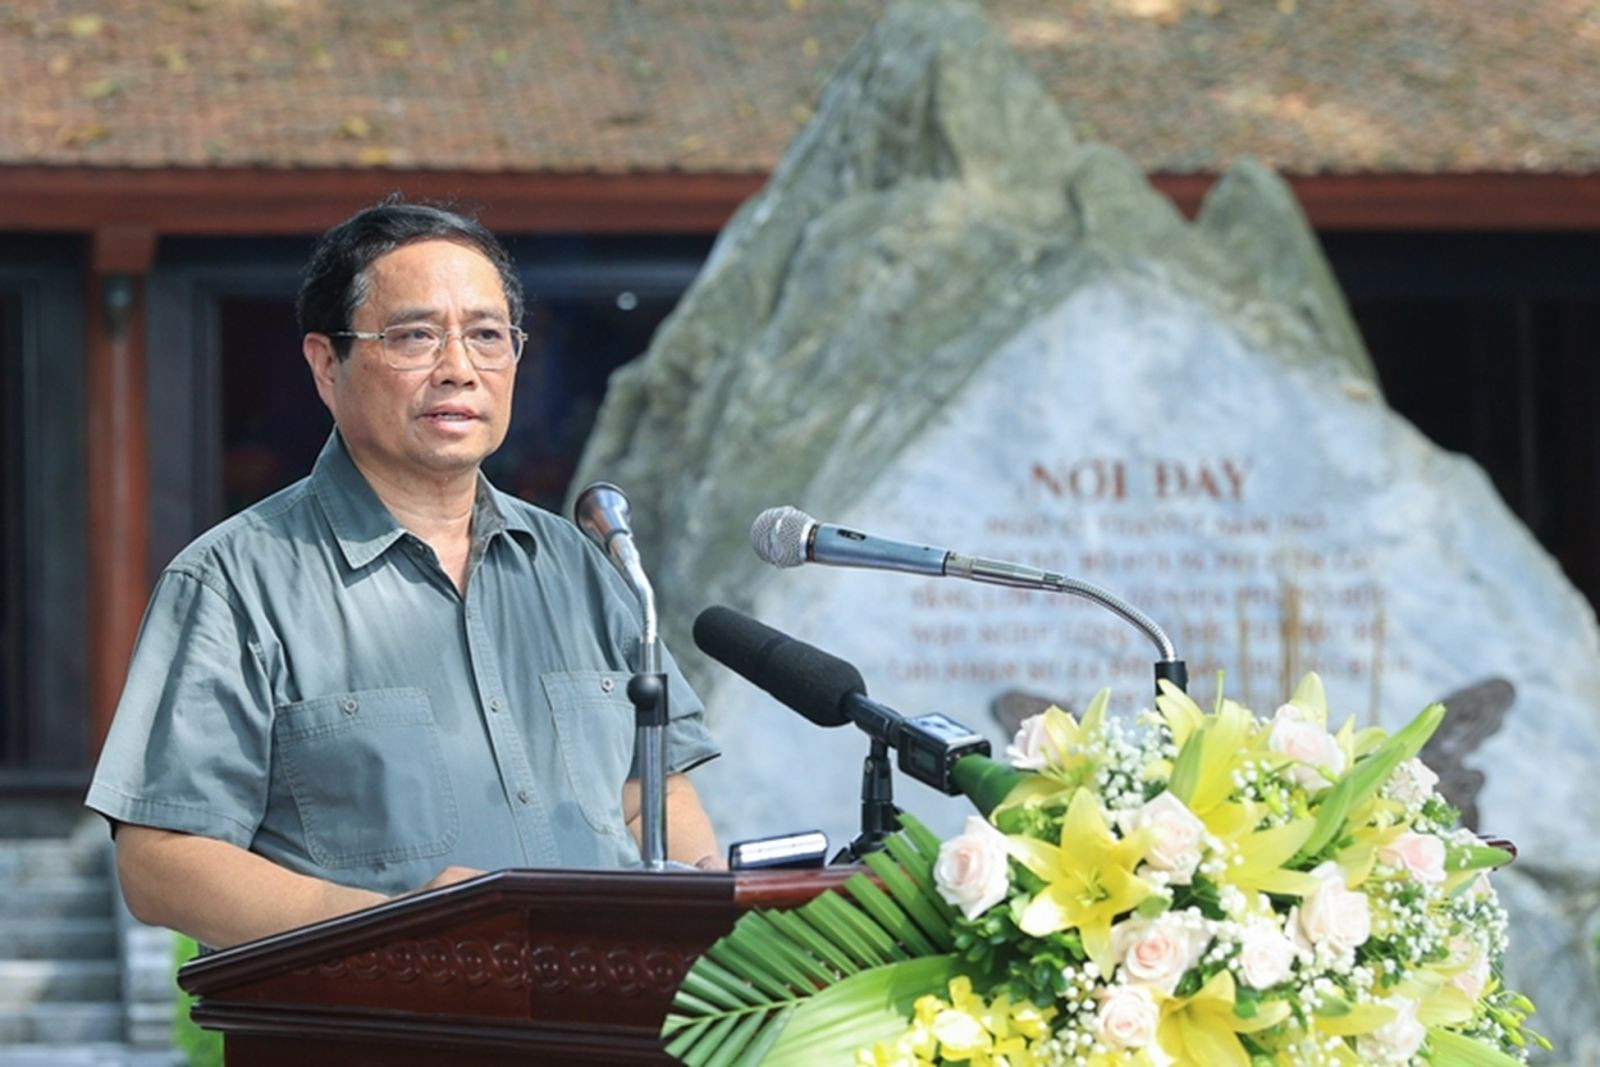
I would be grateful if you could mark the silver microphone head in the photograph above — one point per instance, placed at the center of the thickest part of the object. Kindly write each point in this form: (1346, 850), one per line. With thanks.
(601, 511)
(779, 536)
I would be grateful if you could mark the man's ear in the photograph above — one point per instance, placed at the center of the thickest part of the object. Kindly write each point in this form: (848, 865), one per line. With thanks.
(324, 364)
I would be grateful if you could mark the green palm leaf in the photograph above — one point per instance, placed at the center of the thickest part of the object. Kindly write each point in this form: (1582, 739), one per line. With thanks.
(812, 984)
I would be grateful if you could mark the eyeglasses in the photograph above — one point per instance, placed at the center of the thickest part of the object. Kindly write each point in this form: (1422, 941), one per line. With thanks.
(420, 345)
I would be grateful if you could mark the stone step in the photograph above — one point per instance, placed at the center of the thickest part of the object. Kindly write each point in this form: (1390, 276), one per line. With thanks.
(24, 982)
(99, 1054)
(58, 939)
(57, 898)
(24, 860)
(60, 1023)
(44, 816)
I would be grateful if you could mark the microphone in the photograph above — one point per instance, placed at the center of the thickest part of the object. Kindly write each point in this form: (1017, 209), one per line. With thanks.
(830, 692)
(788, 537)
(601, 512)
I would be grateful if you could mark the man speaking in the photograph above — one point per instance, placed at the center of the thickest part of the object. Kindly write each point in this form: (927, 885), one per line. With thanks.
(390, 675)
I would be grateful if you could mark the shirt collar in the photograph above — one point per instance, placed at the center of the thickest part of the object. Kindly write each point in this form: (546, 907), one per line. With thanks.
(362, 524)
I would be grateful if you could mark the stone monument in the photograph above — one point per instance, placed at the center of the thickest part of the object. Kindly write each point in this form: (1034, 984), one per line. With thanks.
(946, 320)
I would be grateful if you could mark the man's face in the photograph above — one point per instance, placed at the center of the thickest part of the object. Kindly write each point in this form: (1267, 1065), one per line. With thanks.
(408, 428)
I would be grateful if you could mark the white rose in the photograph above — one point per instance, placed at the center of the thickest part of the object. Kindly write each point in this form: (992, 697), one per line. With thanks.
(1313, 748)
(1421, 854)
(1178, 836)
(1412, 782)
(970, 872)
(1128, 1017)
(1333, 915)
(1158, 951)
(1266, 956)
(1397, 1040)
(1031, 749)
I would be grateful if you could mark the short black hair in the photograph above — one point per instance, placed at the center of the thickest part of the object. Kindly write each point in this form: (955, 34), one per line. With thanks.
(336, 281)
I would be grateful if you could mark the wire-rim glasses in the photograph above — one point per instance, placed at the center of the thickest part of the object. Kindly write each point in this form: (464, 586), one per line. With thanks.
(420, 345)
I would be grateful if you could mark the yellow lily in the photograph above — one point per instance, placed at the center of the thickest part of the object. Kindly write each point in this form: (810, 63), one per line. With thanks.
(1205, 1029)
(1089, 878)
(1067, 766)
(1260, 857)
(1182, 714)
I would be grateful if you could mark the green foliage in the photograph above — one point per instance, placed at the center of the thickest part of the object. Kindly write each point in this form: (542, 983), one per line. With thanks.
(200, 1048)
(814, 983)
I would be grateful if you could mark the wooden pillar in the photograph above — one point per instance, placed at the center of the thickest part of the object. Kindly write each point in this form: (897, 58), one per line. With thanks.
(117, 450)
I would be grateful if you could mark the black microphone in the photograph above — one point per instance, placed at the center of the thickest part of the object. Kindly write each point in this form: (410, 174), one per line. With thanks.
(796, 674)
(830, 692)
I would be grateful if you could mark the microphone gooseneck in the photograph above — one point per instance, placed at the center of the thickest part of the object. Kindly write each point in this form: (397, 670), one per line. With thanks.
(602, 513)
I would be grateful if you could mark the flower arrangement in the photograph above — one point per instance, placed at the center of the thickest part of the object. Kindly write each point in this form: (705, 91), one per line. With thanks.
(1197, 887)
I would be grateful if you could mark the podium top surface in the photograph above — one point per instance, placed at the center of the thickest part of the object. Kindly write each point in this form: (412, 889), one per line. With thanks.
(615, 904)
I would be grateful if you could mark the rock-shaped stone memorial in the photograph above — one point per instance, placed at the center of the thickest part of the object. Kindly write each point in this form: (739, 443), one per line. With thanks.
(946, 320)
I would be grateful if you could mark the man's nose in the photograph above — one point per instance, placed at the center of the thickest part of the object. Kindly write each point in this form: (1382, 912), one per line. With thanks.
(455, 359)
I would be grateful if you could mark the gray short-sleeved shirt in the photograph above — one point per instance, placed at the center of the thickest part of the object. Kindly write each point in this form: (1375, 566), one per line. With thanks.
(309, 684)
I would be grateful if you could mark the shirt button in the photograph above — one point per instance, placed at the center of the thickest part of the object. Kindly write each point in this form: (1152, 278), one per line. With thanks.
(350, 705)
(522, 795)
(606, 684)
(495, 705)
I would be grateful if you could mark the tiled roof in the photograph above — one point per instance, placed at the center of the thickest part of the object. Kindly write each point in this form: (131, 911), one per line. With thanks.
(721, 86)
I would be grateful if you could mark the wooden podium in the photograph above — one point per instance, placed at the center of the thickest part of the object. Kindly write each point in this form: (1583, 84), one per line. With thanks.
(515, 967)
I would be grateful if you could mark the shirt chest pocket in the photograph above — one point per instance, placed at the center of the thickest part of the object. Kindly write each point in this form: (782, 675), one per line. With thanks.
(368, 777)
(595, 724)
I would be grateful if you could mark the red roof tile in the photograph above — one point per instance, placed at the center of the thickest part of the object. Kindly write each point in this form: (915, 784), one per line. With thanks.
(618, 86)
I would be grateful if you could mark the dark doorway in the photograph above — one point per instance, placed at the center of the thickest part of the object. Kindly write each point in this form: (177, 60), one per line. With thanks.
(1488, 343)
(43, 714)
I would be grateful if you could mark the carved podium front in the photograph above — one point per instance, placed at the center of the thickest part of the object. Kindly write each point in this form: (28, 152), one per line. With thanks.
(517, 966)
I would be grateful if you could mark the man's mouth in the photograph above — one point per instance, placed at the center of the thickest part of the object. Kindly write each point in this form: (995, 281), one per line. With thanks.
(451, 416)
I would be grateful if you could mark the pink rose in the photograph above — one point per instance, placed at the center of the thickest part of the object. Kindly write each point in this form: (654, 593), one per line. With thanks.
(1178, 836)
(1266, 956)
(1333, 915)
(971, 871)
(1397, 1040)
(1313, 749)
(1157, 951)
(1128, 1017)
(1031, 749)
(1421, 854)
